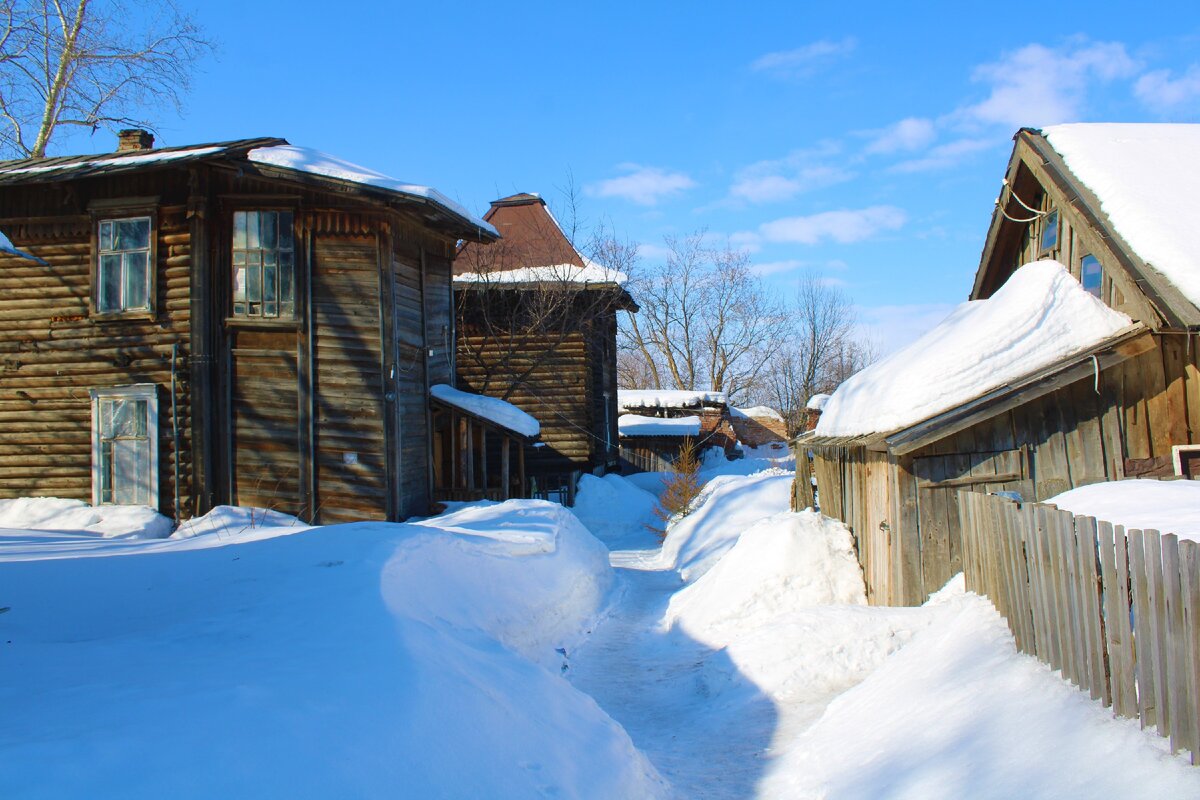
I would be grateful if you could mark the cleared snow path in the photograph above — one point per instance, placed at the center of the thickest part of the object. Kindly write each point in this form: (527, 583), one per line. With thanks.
(741, 659)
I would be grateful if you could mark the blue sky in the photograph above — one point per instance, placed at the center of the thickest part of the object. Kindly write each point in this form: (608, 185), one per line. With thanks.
(864, 142)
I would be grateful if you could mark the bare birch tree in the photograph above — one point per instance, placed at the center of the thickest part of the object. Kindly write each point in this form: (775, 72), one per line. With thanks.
(85, 64)
(706, 321)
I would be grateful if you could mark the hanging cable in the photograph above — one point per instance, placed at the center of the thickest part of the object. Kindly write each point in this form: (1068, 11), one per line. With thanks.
(1000, 206)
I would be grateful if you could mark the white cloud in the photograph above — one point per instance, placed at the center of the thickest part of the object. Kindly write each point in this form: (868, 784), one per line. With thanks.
(800, 171)
(944, 155)
(804, 61)
(1163, 93)
(777, 267)
(912, 133)
(642, 185)
(844, 226)
(1038, 85)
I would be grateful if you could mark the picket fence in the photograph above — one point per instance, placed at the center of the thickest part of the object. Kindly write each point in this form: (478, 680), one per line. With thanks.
(1116, 611)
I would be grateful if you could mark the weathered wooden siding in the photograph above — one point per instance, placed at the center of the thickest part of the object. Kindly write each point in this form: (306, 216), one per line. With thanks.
(52, 351)
(411, 357)
(350, 459)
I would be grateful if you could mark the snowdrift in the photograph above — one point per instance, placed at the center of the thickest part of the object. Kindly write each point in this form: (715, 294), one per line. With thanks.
(361, 660)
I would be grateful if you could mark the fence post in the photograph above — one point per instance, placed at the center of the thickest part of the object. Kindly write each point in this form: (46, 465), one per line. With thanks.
(1189, 553)
(1117, 631)
(1175, 642)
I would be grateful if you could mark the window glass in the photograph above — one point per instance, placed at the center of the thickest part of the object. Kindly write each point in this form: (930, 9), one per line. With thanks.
(1050, 231)
(123, 267)
(1091, 275)
(263, 264)
(123, 462)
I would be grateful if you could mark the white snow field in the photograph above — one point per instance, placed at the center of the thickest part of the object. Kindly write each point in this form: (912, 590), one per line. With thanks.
(501, 651)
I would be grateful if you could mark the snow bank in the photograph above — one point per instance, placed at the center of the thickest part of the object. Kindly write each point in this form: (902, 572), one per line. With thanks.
(958, 712)
(617, 511)
(781, 564)
(1164, 506)
(637, 425)
(1145, 176)
(543, 598)
(55, 514)
(304, 159)
(228, 520)
(499, 411)
(817, 402)
(361, 660)
(1039, 316)
(666, 398)
(729, 505)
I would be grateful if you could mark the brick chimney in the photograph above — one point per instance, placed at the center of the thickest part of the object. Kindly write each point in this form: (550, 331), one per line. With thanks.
(134, 139)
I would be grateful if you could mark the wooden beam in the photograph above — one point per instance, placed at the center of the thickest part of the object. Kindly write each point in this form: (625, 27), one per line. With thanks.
(504, 476)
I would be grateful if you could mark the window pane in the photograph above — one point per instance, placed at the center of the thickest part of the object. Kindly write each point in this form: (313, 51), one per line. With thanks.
(1050, 232)
(109, 296)
(104, 468)
(252, 237)
(239, 229)
(128, 419)
(136, 283)
(106, 235)
(1091, 275)
(285, 230)
(106, 419)
(269, 283)
(239, 284)
(286, 293)
(131, 234)
(254, 284)
(128, 473)
(269, 240)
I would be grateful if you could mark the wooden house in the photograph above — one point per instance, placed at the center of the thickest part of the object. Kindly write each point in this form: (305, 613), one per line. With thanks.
(241, 322)
(1111, 204)
(537, 326)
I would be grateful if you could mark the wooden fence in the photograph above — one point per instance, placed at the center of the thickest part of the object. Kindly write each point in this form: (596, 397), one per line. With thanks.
(1116, 611)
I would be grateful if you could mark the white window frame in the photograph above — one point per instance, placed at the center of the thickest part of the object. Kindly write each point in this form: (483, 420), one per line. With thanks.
(125, 214)
(137, 391)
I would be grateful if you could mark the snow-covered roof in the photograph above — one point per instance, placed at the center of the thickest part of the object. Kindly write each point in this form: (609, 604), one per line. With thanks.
(1146, 178)
(130, 158)
(666, 398)
(314, 162)
(591, 272)
(1039, 317)
(756, 412)
(636, 425)
(6, 246)
(817, 402)
(493, 409)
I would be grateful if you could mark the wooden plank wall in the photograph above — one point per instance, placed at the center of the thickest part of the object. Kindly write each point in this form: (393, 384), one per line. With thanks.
(1116, 611)
(411, 386)
(350, 459)
(52, 351)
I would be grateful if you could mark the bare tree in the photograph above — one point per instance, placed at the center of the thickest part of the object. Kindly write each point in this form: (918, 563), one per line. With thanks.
(83, 64)
(706, 321)
(817, 350)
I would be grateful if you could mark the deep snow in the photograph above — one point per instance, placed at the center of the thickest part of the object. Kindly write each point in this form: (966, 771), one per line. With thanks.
(1165, 506)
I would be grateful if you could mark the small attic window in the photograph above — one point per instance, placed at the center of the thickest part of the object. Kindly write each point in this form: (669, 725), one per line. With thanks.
(1091, 275)
(1049, 232)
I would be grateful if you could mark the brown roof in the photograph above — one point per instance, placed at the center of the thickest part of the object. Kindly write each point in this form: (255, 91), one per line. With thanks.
(531, 238)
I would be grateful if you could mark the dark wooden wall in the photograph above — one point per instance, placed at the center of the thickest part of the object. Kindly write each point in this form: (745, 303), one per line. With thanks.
(52, 351)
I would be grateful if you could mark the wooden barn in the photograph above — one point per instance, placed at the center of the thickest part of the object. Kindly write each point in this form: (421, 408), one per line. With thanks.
(537, 326)
(242, 322)
(1051, 395)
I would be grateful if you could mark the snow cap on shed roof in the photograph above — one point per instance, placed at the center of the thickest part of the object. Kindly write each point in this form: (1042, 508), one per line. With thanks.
(667, 398)
(636, 425)
(1038, 317)
(492, 409)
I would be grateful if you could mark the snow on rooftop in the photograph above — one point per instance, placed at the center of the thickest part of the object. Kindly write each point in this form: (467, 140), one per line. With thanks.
(1038, 317)
(303, 159)
(817, 402)
(591, 272)
(1164, 506)
(636, 425)
(122, 159)
(493, 409)
(756, 412)
(666, 398)
(1145, 176)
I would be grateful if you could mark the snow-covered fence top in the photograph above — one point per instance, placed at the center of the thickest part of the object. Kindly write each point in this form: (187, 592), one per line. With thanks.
(1145, 177)
(666, 398)
(635, 425)
(1040, 316)
(492, 409)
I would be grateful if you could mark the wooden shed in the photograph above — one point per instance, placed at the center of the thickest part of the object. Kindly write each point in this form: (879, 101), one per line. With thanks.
(1124, 404)
(537, 326)
(240, 322)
